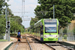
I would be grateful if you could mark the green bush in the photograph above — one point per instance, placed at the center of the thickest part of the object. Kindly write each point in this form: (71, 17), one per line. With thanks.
(74, 30)
(13, 35)
(65, 31)
(65, 36)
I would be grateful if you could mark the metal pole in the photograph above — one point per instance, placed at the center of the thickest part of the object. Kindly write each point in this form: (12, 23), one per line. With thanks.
(22, 8)
(6, 24)
(9, 31)
(9, 28)
(6, 35)
(6, 16)
(53, 12)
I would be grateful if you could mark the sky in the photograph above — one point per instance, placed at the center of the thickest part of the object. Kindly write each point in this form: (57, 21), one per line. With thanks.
(28, 6)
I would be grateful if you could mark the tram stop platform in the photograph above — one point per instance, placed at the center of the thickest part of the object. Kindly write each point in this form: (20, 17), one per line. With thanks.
(4, 45)
(70, 42)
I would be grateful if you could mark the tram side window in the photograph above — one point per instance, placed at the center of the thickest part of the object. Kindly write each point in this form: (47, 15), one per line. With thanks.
(41, 30)
(38, 29)
(35, 30)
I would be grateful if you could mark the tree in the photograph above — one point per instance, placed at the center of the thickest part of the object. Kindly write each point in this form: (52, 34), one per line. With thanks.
(64, 10)
(74, 30)
(9, 10)
(2, 24)
(32, 22)
(2, 4)
(15, 21)
(2, 17)
(16, 24)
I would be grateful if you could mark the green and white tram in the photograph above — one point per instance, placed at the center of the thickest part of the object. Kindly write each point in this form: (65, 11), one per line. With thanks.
(46, 29)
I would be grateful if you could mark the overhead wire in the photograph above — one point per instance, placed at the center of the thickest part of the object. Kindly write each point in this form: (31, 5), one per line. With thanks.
(23, 8)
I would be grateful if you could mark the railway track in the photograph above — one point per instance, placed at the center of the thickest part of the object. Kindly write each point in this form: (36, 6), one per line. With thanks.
(58, 46)
(23, 45)
(37, 43)
(28, 43)
(16, 46)
(40, 43)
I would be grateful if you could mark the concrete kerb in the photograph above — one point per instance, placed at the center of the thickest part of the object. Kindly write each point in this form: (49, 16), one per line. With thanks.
(8, 46)
(70, 42)
(68, 45)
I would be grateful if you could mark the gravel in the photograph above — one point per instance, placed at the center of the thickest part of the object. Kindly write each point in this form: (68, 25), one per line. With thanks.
(38, 46)
(59, 48)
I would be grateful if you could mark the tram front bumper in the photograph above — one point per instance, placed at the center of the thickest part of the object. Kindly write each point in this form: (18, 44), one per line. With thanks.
(50, 39)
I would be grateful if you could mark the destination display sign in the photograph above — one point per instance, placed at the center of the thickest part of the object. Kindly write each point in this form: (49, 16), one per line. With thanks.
(50, 25)
(49, 20)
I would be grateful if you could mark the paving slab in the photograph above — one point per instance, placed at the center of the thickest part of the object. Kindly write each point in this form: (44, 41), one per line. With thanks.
(3, 45)
(70, 42)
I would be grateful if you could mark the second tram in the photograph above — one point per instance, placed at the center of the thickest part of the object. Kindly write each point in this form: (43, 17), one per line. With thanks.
(46, 30)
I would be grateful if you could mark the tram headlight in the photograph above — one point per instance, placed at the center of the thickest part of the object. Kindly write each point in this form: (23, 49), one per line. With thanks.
(45, 36)
(56, 36)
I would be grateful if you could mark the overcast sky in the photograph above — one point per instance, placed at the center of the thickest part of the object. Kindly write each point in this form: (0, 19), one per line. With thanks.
(30, 5)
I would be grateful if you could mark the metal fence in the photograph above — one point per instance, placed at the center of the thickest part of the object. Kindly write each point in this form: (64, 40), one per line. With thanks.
(1, 36)
(69, 35)
(60, 38)
(71, 38)
(67, 38)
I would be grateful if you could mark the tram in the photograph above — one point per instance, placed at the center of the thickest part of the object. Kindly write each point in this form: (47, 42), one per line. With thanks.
(46, 30)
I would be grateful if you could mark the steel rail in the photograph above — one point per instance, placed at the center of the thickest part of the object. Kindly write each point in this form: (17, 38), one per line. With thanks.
(16, 46)
(50, 46)
(59, 45)
(28, 44)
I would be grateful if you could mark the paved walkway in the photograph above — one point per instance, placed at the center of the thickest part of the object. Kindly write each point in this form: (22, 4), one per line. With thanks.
(3, 45)
(70, 42)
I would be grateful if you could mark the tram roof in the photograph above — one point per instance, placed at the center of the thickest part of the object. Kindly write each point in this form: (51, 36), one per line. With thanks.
(43, 19)
(37, 22)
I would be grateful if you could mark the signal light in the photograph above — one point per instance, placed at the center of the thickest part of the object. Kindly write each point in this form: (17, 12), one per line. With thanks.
(6, 31)
(8, 24)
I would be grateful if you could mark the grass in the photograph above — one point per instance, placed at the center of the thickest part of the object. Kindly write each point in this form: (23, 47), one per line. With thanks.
(2, 40)
(11, 40)
(64, 39)
(22, 33)
(27, 32)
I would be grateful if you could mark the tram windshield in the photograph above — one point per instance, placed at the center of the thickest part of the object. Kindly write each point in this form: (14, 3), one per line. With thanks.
(50, 26)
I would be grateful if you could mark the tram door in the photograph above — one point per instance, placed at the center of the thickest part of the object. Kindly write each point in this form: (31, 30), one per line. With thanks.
(41, 33)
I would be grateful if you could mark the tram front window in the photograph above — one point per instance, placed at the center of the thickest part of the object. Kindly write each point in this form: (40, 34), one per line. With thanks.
(50, 26)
